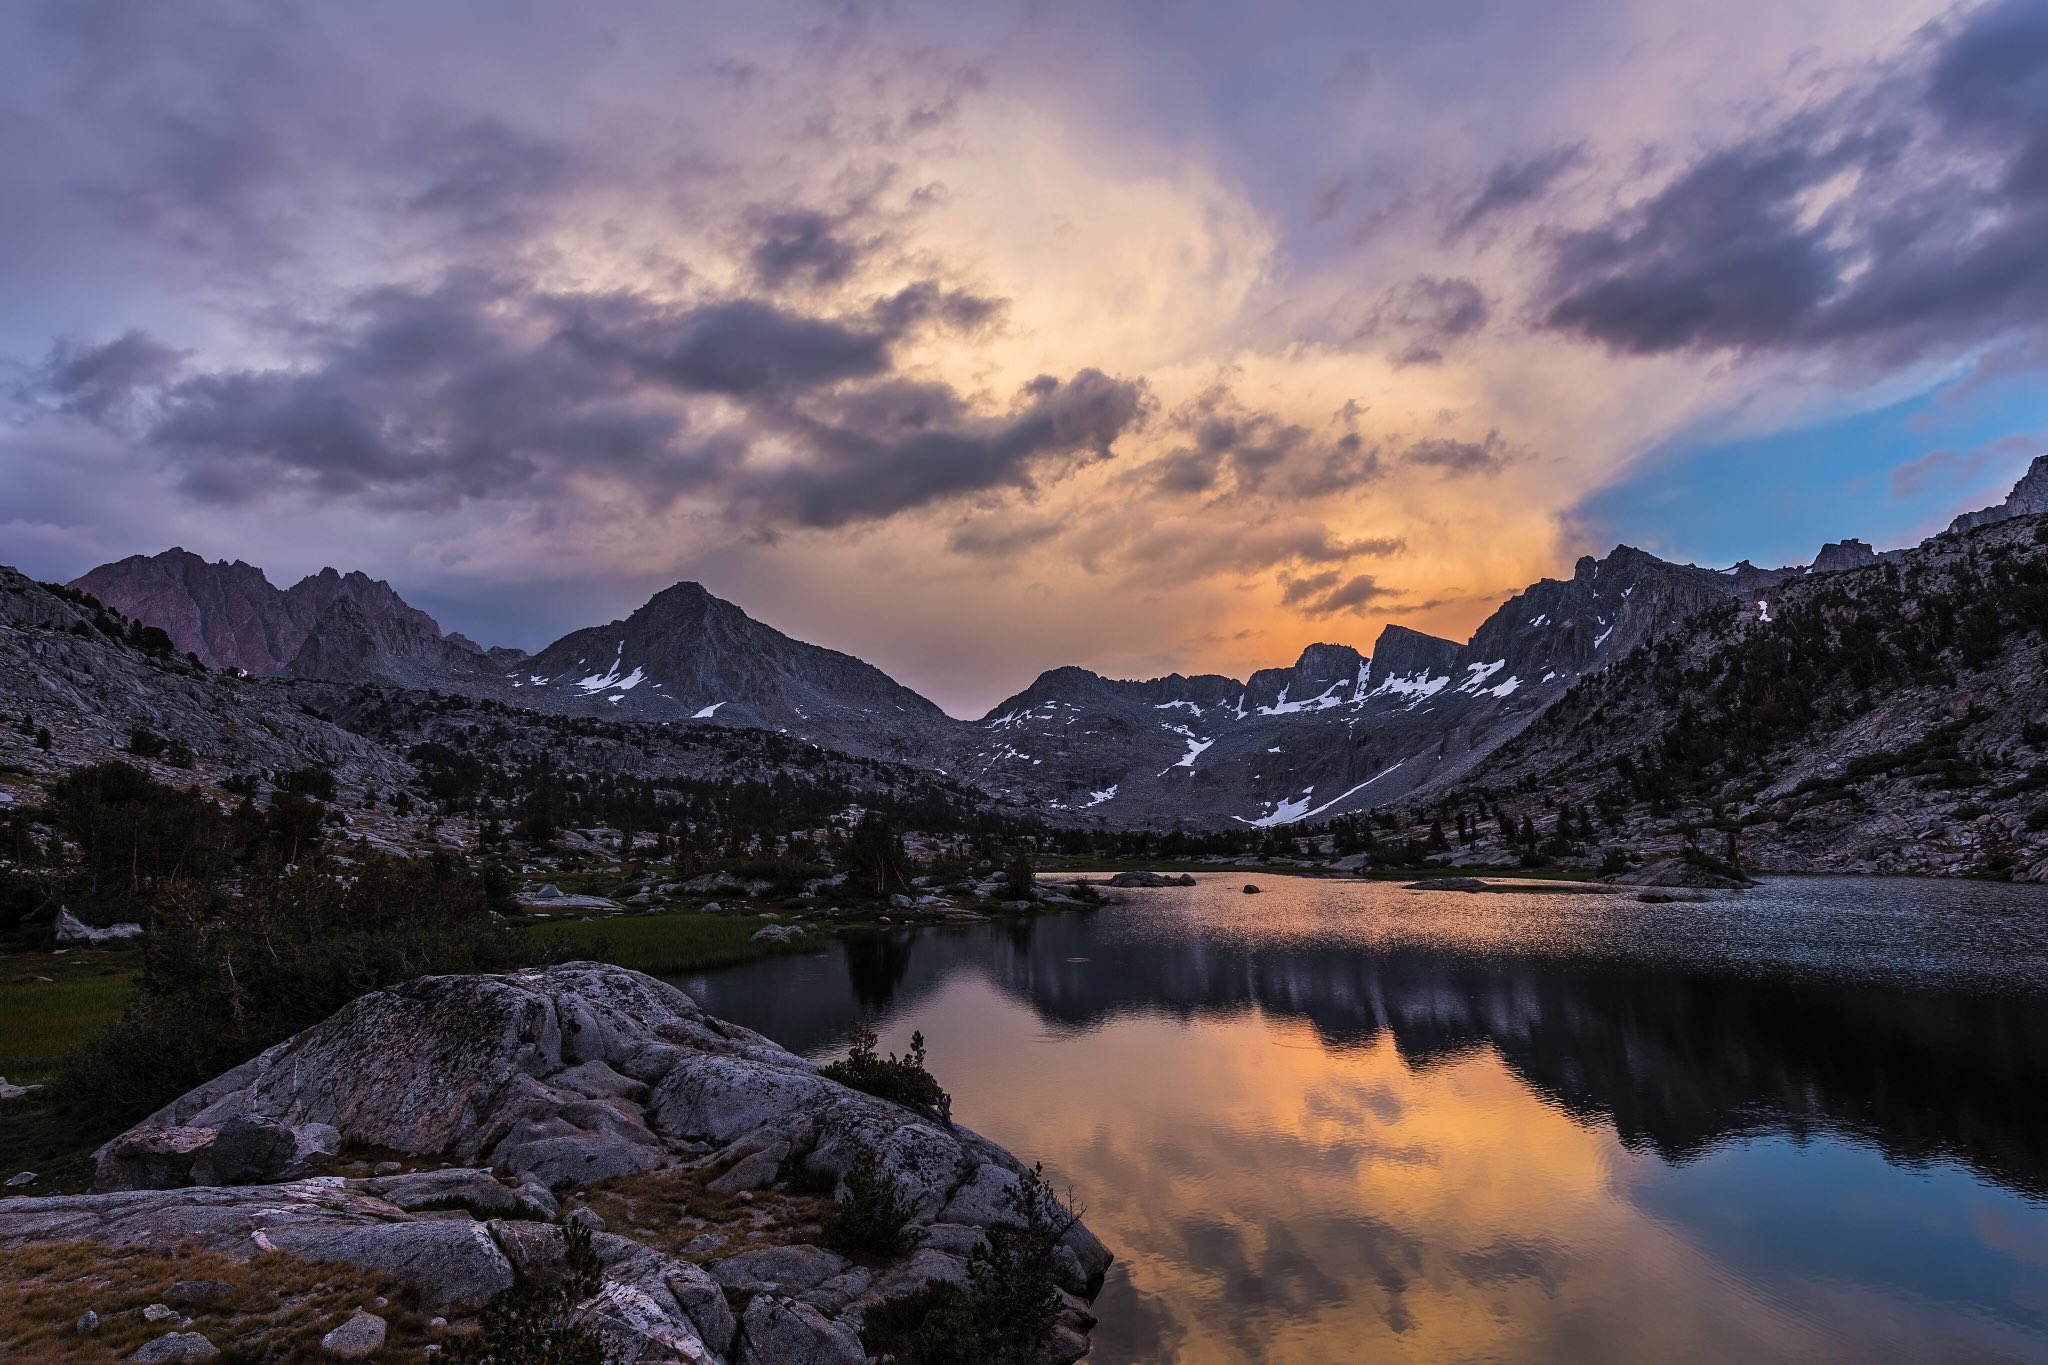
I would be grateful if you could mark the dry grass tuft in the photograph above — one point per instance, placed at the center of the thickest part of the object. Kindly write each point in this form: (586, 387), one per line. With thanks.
(275, 1309)
(670, 1209)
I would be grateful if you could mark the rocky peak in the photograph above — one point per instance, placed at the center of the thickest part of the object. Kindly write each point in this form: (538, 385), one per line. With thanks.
(351, 645)
(1838, 555)
(1405, 653)
(1322, 671)
(229, 613)
(2029, 497)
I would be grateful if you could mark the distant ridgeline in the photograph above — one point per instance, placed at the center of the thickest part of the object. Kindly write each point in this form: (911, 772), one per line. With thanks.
(1635, 683)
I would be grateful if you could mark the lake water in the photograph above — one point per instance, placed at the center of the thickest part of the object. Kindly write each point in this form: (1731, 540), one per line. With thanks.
(1348, 1121)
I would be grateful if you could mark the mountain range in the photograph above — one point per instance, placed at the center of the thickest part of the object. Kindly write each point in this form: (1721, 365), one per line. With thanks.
(1338, 732)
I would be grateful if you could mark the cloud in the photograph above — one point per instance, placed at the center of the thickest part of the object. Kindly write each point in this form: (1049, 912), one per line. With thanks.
(1261, 451)
(1328, 593)
(1426, 315)
(1903, 217)
(97, 381)
(1939, 469)
(801, 245)
(482, 390)
(1487, 456)
(1512, 184)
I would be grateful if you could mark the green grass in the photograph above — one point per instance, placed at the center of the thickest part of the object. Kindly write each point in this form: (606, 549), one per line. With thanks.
(685, 942)
(42, 1020)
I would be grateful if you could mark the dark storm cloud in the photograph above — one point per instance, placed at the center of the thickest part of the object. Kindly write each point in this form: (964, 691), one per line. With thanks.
(1487, 456)
(1513, 184)
(96, 381)
(801, 245)
(479, 390)
(1905, 217)
(486, 177)
(883, 449)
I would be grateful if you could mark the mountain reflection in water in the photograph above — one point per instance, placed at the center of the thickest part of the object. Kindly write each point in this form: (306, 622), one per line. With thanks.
(1348, 1121)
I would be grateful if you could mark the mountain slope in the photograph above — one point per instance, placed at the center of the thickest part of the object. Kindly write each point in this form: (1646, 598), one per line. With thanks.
(1336, 732)
(685, 657)
(230, 614)
(1892, 718)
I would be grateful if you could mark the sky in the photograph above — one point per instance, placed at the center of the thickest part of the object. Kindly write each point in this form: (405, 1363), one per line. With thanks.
(976, 340)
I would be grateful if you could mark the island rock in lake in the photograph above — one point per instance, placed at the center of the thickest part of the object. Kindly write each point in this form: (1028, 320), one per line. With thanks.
(549, 1080)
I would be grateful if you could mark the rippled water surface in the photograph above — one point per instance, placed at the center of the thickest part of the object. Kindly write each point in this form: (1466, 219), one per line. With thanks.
(1347, 1121)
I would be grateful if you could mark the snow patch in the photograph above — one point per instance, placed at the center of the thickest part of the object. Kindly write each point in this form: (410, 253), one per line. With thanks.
(1311, 814)
(611, 677)
(1416, 686)
(1480, 673)
(708, 712)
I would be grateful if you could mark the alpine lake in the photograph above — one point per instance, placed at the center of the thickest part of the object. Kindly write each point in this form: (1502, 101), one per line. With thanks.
(1346, 1120)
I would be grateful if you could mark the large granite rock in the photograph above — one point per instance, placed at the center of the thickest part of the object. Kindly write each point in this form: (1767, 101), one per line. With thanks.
(554, 1077)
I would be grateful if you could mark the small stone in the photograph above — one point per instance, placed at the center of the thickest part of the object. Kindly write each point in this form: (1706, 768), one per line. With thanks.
(380, 1302)
(197, 1291)
(437, 1324)
(24, 1178)
(176, 1346)
(159, 1312)
(1250, 890)
(589, 1218)
(387, 1168)
(89, 1323)
(359, 1337)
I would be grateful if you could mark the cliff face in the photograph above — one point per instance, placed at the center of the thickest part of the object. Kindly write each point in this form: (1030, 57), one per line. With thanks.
(230, 614)
(2028, 497)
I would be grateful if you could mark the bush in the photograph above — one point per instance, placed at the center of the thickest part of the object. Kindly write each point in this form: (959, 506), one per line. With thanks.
(2037, 818)
(903, 1080)
(530, 1324)
(873, 1218)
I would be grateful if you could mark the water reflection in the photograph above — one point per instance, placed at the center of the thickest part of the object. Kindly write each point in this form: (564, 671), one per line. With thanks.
(1356, 1125)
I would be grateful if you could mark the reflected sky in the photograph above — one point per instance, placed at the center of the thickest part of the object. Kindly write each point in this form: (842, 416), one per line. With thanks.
(1329, 1128)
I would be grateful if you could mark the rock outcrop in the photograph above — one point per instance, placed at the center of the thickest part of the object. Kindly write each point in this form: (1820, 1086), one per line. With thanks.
(2028, 497)
(1838, 555)
(535, 1082)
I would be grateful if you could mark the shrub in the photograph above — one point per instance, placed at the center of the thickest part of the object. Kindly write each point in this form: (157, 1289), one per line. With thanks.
(1013, 1298)
(904, 1080)
(530, 1325)
(1019, 884)
(872, 1219)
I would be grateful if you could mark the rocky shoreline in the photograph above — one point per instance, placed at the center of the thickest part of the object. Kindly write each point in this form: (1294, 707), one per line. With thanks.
(484, 1112)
